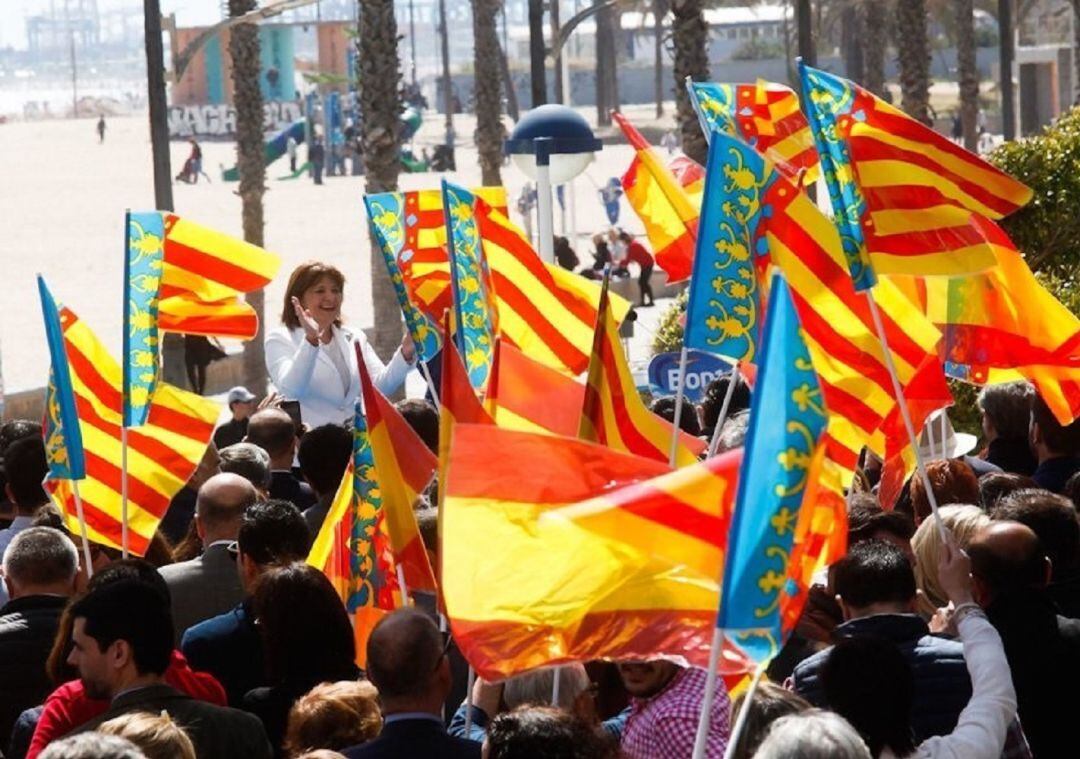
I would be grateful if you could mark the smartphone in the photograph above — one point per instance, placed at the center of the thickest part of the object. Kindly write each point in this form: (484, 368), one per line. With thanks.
(292, 408)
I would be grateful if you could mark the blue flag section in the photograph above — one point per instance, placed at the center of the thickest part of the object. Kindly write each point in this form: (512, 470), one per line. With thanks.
(787, 417)
(723, 314)
(143, 266)
(63, 437)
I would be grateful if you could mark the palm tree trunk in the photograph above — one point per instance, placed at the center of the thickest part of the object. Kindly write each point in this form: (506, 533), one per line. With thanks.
(967, 72)
(659, 9)
(606, 97)
(380, 108)
(874, 40)
(913, 52)
(690, 35)
(486, 54)
(247, 97)
(851, 32)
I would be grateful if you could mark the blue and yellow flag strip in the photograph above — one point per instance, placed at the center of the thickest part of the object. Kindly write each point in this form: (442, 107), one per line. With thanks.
(787, 418)
(723, 311)
(63, 436)
(144, 262)
(388, 216)
(474, 297)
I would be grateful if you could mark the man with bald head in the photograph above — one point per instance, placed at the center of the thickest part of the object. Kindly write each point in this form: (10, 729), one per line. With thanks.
(406, 661)
(209, 585)
(274, 431)
(1010, 572)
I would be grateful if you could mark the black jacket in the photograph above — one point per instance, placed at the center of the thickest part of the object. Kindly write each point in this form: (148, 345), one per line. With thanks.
(1043, 649)
(27, 628)
(942, 682)
(415, 738)
(229, 647)
(1012, 455)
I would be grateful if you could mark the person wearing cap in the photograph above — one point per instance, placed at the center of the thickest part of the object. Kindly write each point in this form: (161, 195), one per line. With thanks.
(242, 405)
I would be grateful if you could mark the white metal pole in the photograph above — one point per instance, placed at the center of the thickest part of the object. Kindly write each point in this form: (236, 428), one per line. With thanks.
(82, 529)
(402, 585)
(704, 721)
(569, 195)
(680, 394)
(545, 221)
(430, 383)
(715, 442)
(124, 489)
(740, 723)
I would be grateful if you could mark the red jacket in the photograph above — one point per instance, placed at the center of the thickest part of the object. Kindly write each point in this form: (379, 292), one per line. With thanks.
(68, 706)
(638, 254)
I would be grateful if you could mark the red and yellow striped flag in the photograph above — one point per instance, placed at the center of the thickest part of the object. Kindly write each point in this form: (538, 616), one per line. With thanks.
(669, 210)
(162, 453)
(554, 591)
(614, 414)
(526, 395)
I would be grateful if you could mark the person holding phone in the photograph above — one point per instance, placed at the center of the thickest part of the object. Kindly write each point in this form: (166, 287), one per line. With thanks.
(312, 356)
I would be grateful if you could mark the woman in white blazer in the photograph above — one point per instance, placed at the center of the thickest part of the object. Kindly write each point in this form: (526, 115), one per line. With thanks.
(312, 357)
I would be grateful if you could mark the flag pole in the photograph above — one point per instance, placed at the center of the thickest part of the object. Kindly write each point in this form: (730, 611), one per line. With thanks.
(469, 700)
(124, 489)
(680, 394)
(555, 687)
(430, 383)
(402, 585)
(944, 418)
(740, 723)
(905, 414)
(82, 529)
(125, 386)
(714, 443)
(702, 738)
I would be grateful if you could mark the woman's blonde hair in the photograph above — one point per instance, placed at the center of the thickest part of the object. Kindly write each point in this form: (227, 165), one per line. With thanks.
(333, 716)
(157, 735)
(304, 277)
(963, 521)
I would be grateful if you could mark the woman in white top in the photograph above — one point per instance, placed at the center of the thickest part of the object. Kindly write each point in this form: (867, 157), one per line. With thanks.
(312, 357)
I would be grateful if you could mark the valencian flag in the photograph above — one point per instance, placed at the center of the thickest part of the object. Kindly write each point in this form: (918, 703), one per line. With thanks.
(162, 453)
(63, 437)
(185, 278)
(526, 395)
(767, 116)
(668, 209)
(474, 293)
(404, 467)
(1002, 326)
(556, 592)
(906, 199)
(613, 413)
(723, 312)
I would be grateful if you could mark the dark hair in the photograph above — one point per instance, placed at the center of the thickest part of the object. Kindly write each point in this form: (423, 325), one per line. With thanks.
(307, 637)
(424, 420)
(324, 455)
(664, 407)
(1072, 489)
(273, 532)
(874, 571)
(1050, 516)
(993, 486)
(17, 429)
(868, 682)
(1020, 568)
(952, 481)
(427, 522)
(403, 652)
(272, 430)
(866, 519)
(542, 731)
(1058, 439)
(304, 277)
(26, 467)
(769, 703)
(714, 400)
(133, 611)
(1008, 407)
(41, 556)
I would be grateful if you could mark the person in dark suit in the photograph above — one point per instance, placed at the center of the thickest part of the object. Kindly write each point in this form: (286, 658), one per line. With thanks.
(407, 663)
(209, 584)
(275, 432)
(228, 646)
(122, 643)
(324, 455)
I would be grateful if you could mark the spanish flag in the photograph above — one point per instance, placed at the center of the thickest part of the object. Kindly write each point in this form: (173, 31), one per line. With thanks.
(668, 210)
(527, 395)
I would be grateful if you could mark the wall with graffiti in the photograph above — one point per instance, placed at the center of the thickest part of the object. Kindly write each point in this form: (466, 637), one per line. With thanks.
(220, 120)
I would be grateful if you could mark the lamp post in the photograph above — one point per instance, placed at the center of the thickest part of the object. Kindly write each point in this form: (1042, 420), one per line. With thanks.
(551, 144)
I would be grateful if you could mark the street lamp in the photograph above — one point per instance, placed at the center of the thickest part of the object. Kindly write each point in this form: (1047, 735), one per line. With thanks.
(551, 144)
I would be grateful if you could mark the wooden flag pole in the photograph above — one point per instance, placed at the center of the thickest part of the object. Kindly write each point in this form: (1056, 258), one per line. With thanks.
(124, 489)
(680, 394)
(740, 723)
(82, 529)
(714, 443)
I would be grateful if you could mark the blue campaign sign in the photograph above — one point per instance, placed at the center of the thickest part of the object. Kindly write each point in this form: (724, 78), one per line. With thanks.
(701, 369)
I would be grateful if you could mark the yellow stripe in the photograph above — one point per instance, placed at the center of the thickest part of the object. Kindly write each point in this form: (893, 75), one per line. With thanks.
(588, 291)
(668, 185)
(845, 377)
(893, 303)
(953, 263)
(225, 247)
(889, 173)
(649, 202)
(319, 554)
(205, 289)
(974, 171)
(507, 419)
(900, 221)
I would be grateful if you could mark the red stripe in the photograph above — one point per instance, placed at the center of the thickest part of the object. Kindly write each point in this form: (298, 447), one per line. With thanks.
(569, 354)
(244, 327)
(840, 453)
(633, 136)
(633, 438)
(847, 406)
(86, 371)
(102, 522)
(212, 268)
(677, 257)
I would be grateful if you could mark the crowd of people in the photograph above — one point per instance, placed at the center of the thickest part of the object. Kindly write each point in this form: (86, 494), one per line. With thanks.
(223, 642)
(618, 249)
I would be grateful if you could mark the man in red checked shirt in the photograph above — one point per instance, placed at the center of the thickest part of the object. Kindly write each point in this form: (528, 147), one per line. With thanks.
(637, 253)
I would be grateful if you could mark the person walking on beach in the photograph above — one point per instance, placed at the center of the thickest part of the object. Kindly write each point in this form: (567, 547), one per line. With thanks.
(101, 129)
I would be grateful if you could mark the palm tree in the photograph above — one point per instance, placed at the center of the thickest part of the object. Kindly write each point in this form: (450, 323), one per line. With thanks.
(913, 52)
(967, 73)
(247, 97)
(875, 40)
(486, 54)
(380, 108)
(690, 36)
(607, 76)
(659, 10)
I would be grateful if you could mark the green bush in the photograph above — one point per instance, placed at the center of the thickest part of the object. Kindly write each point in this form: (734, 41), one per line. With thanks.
(669, 334)
(1047, 230)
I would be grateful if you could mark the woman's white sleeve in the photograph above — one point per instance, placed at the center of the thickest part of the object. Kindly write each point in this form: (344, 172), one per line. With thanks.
(290, 367)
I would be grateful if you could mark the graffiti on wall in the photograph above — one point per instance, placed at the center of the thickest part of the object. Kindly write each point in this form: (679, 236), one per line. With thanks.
(220, 120)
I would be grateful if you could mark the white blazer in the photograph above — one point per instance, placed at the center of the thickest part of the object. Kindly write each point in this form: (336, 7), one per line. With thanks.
(304, 372)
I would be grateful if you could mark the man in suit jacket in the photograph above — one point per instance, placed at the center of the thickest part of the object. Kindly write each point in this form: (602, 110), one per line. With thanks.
(274, 431)
(407, 663)
(210, 584)
(324, 456)
(122, 645)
